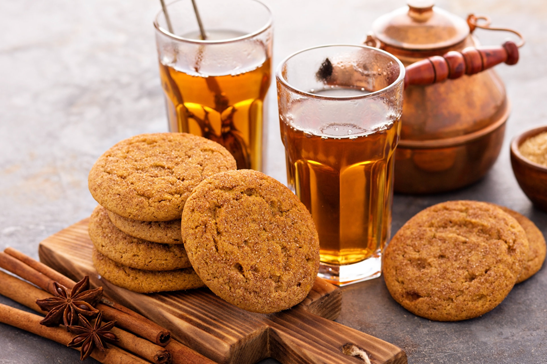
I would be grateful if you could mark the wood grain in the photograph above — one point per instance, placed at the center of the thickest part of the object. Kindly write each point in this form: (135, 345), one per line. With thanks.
(225, 333)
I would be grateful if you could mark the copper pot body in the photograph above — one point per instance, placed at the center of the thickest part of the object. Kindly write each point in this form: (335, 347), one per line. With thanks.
(452, 132)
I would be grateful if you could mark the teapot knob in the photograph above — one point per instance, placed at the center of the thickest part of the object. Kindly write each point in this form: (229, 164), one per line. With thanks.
(420, 10)
(420, 4)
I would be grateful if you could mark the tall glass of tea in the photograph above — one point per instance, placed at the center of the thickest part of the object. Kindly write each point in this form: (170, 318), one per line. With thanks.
(340, 112)
(216, 87)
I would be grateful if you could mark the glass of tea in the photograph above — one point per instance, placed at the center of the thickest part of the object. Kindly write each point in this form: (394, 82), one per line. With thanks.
(340, 112)
(216, 87)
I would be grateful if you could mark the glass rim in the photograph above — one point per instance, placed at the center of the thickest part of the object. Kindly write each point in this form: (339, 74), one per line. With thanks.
(286, 83)
(222, 41)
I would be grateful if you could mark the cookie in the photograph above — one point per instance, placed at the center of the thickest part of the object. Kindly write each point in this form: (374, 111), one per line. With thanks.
(144, 281)
(133, 252)
(251, 241)
(455, 260)
(536, 242)
(149, 177)
(165, 232)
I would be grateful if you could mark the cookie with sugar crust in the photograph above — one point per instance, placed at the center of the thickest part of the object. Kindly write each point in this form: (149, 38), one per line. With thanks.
(148, 177)
(455, 261)
(251, 241)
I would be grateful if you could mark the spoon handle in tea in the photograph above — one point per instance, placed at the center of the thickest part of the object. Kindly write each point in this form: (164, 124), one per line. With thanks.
(456, 64)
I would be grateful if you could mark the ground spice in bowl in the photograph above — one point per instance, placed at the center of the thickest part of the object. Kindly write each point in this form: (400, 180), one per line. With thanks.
(535, 149)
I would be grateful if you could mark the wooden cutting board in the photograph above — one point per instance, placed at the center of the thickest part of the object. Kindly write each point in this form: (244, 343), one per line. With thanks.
(222, 332)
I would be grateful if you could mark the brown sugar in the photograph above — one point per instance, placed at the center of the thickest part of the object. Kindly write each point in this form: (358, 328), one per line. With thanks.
(535, 149)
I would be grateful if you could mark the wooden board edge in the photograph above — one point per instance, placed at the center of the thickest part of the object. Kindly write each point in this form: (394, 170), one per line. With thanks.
(296, 336)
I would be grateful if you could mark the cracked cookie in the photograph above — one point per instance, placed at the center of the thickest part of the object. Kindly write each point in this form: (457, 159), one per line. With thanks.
(149, 177)
(165, 232)
(144, 281)
(455, 260)
(536, 251)
(251, 241)
(133, 252)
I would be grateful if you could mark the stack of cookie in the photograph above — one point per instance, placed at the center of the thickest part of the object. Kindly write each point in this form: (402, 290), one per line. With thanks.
(142, 184)
(458, 260)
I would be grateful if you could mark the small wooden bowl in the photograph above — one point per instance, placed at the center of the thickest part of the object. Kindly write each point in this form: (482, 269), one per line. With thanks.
(532, 177)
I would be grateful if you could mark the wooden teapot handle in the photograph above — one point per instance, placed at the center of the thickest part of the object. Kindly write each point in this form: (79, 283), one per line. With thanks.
(456, 64)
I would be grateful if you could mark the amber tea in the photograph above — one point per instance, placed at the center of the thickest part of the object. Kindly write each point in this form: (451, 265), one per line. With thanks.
(225, 108)
(340, 110)
(344, 176)
(216, 88)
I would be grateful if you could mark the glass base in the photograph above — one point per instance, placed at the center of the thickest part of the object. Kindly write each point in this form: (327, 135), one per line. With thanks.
(343, 275)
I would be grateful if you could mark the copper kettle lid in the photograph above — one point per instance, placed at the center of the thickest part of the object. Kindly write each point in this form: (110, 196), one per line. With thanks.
(420, 26)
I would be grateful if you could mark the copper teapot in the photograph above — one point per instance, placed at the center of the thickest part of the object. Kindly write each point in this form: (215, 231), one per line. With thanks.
(455, 106)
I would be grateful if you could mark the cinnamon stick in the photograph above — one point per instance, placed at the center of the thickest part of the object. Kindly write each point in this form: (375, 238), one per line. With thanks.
(69, 283)
(42, 268)
(182, 354)
(22, 292)
(24, 271)
(134, 323)
(143, 348)
(26, 294)
(137, 325)
(31, 323)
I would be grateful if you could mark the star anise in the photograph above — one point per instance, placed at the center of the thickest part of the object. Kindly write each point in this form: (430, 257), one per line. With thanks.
(65, 307)
(92, 336)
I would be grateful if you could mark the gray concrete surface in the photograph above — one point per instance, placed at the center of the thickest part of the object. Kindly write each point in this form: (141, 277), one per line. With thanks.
(77, 76)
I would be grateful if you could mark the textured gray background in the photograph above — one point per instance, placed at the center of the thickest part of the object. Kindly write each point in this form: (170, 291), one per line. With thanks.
(77, 76)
